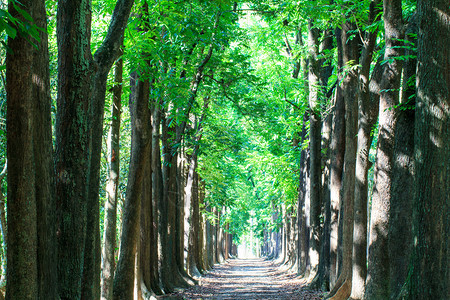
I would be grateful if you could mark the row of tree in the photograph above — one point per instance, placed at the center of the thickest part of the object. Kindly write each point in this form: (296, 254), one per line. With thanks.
(390, 67)
(54, 165)
(236, 116)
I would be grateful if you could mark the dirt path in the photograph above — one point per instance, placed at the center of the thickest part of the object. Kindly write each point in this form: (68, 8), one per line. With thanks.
(249, 279)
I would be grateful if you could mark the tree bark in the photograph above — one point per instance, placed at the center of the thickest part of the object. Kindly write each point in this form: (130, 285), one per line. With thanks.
(31, 269)
(194, 265)
(377, 285)
(402, 189)
(145, 229)
(141, 129)
(44, 165)
(103, 59)
(158, 190)
(368, 114)
(303, 199)
(3, 231)
(368, 99)
(303, 189)
(23, 265)
(337, 148)
(209, 238)
(432, 153)
(79, 120)
(109, 237)
(342, 288)
(75, 70)
(322, 277)
(315, 125)
(192, 198)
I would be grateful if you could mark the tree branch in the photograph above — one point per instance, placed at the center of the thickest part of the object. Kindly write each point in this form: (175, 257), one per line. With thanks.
(110, 48)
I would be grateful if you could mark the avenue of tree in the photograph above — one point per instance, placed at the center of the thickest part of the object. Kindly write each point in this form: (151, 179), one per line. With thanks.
(142, 141)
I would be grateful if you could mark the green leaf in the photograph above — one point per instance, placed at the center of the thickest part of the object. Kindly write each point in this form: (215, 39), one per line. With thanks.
(24, 14)
(10, 31)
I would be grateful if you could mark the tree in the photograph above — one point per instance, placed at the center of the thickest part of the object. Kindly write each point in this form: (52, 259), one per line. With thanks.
(315, 123)
(350, 55)
(401, 210)
(377, 285)
(78, 130)
(337, 147)
(31, 271)
(431, 151)
(140, 149)
(110, 220)
(368, 99)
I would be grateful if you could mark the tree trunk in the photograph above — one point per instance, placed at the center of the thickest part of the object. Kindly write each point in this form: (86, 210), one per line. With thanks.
(79, 120)
(432, 153)
(323, 274)
(192, 198)
(158, 190)
(146, 235)
(400, 230)
(342, 288)
(104, 58)
(109, 237)
(368, 99)
(337, 148)
(322, 277)
(377, 285)
(75, 70)
(140, 116)
(303, 208)
(23, 264)
(3, 231)
(219, 238)
(170, 273)
(315, 124)
(209, 238)
(155, 283)
(203, 225)
(44, 165)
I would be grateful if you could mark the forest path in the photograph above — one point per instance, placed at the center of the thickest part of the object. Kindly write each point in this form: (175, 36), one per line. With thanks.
(249, 279)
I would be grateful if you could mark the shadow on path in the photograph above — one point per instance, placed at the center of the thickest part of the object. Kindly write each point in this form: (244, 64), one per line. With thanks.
(248, 279)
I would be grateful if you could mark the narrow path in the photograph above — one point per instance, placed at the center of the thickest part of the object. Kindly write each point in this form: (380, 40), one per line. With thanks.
(249, 279)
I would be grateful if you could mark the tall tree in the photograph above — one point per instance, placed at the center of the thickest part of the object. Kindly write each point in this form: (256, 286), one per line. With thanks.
(78, 130)
(75, 70)
(337, 148)
(124, 277)
(432, 152)
(31, 271)
(350, 55)
(401, 210)
(104, 58)
(110, 220)
(315, 138)
(377, 285)
(368, 98)
(172, 272)
(326, 69)
(22, 271)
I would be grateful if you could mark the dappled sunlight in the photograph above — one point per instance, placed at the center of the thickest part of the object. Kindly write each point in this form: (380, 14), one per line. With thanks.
(250, 279)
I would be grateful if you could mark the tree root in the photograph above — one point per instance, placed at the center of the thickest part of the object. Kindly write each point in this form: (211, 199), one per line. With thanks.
(343, 291)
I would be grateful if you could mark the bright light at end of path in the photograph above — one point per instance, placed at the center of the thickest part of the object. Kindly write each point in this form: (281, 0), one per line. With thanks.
(250, 246)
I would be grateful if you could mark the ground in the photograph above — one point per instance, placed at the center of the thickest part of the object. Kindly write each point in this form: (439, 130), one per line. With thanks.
(249, 279)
